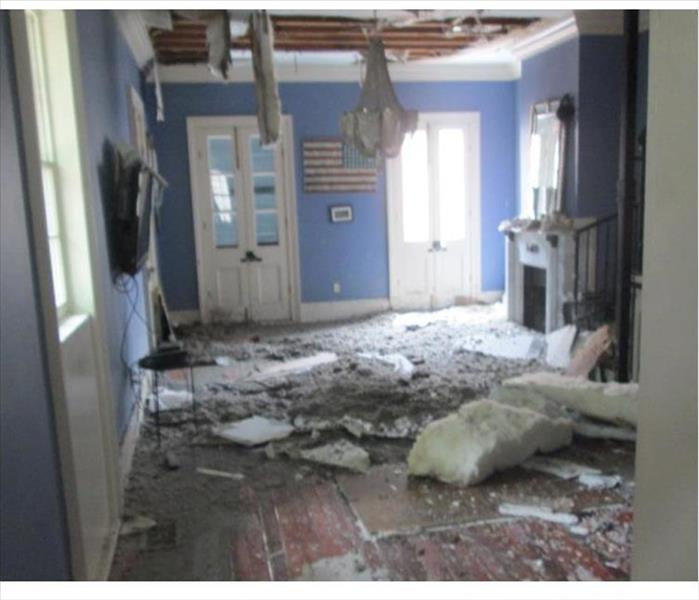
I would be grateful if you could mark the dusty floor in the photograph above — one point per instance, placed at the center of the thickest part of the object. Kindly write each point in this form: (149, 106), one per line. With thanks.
(277, 517)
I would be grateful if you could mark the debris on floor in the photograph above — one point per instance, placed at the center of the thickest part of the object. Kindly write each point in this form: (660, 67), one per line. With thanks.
(342, 454)
(333, 497)
(170, 399)
(254, 431)
(545, 513)
(615, 402)
(558, 467)
(558, 346)
(587, 356)
(592, 429)
(217, 473)
(483, 437)
(596, 480)
(299, 365)
(136, 524)
(528, 346)
(400, 363)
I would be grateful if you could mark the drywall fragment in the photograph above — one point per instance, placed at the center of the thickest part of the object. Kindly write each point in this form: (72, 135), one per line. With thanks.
(590, 429)
(539, 512)
(615, 402)
(586, 356)
(173, 399)
(346, 567)
(339, 454)
(254, 431)
(400, 363)
(293, 367)
(482, 437)
(558, 467)
(527, 346)
(217, 473)
(532, 400)
(136, 524)
(597, 481)
(558, 346)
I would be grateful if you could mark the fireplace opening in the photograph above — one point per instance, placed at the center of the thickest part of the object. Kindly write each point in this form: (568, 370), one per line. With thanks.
(535, 298)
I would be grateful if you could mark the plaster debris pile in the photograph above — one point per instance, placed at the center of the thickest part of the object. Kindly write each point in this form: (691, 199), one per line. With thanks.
(612, 402)
(482, 437)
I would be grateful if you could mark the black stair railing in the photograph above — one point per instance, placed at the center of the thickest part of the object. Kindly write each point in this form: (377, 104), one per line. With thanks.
(594, 279)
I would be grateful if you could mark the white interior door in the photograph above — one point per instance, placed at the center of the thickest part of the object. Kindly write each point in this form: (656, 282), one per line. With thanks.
(434, 213)
(240, 203)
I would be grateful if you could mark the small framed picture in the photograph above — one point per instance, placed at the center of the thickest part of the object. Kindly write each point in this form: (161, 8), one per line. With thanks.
(341, 214)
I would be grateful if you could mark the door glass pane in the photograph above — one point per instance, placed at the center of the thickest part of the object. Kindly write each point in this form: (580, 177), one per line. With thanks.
(221, 153)
(265, 193)
(262, 158)
(452, 185)
(225, 229)
(266, 226)
(224, 205)
(416, 216)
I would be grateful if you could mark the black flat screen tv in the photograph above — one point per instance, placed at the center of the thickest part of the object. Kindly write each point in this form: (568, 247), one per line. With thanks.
(136, 190)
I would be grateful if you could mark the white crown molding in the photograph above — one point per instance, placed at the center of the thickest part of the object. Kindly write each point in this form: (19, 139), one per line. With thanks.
(505, 70)
(133, 25)
(551, 36)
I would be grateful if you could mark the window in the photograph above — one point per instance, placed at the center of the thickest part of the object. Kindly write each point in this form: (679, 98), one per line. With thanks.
(222, 184)
(265, 192)
(49, 166)
(415, 177)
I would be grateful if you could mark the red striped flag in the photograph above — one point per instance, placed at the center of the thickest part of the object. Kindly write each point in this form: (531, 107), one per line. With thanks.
(330, 165)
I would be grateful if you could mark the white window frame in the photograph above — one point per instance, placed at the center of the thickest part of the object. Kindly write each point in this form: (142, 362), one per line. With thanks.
(50, 171)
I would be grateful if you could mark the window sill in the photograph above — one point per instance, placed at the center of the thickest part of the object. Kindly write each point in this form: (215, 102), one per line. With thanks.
(69, 325)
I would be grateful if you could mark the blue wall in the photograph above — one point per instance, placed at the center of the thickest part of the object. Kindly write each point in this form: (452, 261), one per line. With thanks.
(108, 69)
(545, 76)
(33, 531)
(355, 254)
(601, 92)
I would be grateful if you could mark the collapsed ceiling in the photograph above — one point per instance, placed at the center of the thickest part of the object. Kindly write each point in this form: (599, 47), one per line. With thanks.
(406, 35)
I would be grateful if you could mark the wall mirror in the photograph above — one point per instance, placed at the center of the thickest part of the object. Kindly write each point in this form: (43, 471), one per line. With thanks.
(547, 143)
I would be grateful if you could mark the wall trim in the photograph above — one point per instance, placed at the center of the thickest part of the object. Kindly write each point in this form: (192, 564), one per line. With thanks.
(556, 34)
(315, 312)
(502, 70)
(487, 297)
(133, 431)
(133, 28)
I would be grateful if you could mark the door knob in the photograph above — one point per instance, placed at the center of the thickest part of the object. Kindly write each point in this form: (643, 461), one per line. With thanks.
(250, 256)
(437, 247)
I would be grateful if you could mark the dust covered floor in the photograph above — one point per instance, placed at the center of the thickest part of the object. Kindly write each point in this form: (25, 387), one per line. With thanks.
(262, 513)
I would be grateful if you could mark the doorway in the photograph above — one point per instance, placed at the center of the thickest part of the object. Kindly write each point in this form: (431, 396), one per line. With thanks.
(244, 216)
(434, 213)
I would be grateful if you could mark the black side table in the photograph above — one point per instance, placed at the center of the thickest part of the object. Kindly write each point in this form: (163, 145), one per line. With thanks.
(162, 360)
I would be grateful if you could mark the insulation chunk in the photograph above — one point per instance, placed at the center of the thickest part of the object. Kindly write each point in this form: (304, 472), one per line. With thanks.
(466, 447)
(615, 402)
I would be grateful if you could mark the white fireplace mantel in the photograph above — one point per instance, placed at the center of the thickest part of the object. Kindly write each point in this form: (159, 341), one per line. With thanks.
(553, 251)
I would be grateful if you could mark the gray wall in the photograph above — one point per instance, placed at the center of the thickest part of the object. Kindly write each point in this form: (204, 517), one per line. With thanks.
(33, 533)
(665, 521)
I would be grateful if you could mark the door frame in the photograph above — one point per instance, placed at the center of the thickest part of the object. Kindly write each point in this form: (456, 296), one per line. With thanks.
(471, 121)
(289, 195)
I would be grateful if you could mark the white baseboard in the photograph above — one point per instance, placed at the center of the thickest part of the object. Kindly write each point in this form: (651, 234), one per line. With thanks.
(342, 309)
(128, 444)
(489, 297)
(184, 317)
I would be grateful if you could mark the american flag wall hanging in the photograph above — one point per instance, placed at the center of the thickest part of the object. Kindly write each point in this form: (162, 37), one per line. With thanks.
(331, 166)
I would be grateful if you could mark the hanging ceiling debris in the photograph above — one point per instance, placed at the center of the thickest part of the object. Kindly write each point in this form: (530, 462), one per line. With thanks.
(410, 37)
(378, 124)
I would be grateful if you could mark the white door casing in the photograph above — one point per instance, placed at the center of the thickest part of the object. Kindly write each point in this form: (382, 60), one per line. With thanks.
(245, 270)
(434, 213)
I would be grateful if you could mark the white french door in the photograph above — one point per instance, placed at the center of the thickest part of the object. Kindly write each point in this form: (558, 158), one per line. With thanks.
(434, 213)
(240, 197)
